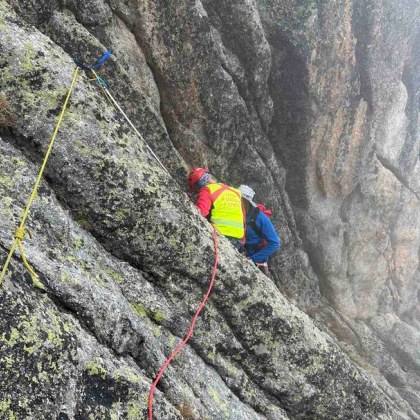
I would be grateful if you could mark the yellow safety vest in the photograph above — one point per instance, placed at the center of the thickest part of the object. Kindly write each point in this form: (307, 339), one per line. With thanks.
(226, 213)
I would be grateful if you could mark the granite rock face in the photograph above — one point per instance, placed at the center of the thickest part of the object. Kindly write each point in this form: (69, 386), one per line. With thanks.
(315, 105)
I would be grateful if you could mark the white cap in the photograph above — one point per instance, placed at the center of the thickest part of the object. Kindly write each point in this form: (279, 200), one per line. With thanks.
(247, 193)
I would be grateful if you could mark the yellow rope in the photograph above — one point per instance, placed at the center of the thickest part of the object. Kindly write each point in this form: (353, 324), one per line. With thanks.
(20, 232)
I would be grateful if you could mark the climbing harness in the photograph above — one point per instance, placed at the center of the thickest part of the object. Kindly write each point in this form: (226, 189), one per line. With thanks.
(20, 232)
(190, 330)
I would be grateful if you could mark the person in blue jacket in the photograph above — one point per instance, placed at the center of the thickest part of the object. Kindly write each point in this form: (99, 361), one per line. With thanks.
(261, 239)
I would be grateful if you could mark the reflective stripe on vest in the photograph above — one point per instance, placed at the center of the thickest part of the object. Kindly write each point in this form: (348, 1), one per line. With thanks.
(227, 222)
(226, 213)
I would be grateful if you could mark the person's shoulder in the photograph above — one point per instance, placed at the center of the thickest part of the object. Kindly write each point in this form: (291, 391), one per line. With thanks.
(204, 190)
(213, 185)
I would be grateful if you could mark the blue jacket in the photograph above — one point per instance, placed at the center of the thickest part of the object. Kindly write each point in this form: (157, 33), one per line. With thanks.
(252, 240)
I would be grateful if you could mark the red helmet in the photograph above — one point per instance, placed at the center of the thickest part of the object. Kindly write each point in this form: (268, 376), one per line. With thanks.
(194, 175)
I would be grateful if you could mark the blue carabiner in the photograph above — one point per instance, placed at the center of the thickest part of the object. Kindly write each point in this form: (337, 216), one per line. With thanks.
(101, 60)
(97, 65)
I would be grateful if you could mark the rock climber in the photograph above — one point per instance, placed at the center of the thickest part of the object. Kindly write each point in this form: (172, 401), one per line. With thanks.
(261, 239)
(220, 204)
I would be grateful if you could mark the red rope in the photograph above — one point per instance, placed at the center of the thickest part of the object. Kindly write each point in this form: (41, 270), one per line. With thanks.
(190, 330)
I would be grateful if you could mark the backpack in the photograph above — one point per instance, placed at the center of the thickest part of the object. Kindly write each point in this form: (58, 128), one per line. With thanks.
(267, 212)
(253, 215)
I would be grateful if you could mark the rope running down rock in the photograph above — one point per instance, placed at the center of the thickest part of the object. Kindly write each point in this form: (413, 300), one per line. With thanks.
(20, 232)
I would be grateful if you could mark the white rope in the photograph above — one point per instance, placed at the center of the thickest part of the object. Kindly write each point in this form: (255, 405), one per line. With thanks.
(131, 124)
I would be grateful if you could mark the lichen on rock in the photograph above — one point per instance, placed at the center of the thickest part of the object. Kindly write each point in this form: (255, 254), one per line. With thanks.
(280, 95)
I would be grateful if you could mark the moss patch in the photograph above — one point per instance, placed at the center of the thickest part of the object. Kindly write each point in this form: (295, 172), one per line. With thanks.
(95, 368)
(155, 315)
